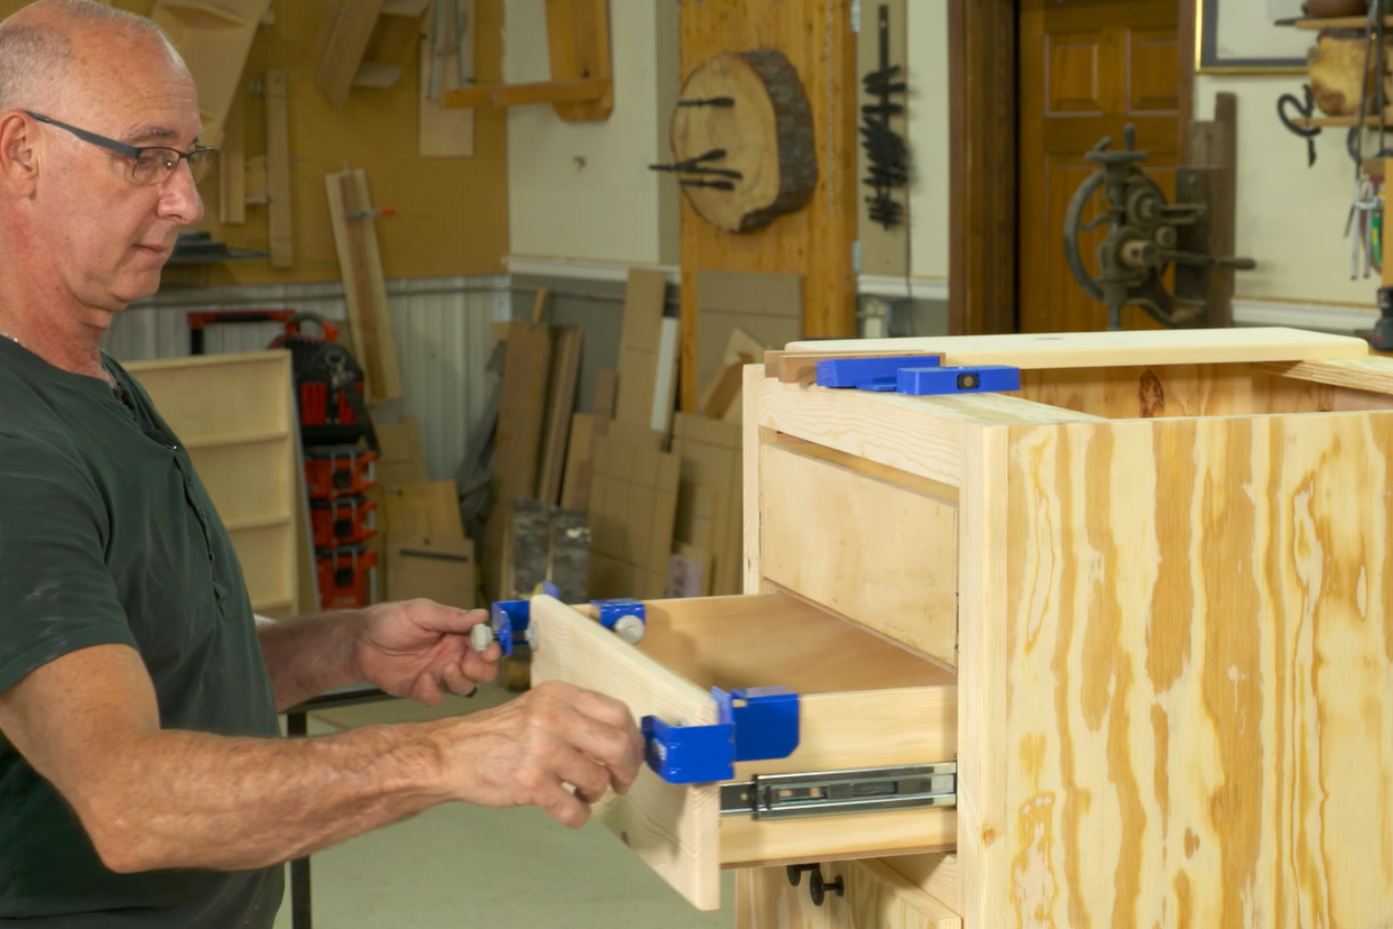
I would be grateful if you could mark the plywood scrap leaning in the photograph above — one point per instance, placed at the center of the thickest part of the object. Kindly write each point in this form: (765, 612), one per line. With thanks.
(400, 459)
(429, 509)
(279, 223)
(517, 440)
(710, 499)
(577, 494)
(577, 460)
(439, 568)
(561, 399)
(769, 307)
(633, 504)
(364, 287)
(640, 343)
(213, 39)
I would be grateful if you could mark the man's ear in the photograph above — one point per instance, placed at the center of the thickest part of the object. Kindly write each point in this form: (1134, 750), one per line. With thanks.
(19, 163)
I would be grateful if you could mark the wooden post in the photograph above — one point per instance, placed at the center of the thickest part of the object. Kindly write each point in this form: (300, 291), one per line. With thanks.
(816, 241)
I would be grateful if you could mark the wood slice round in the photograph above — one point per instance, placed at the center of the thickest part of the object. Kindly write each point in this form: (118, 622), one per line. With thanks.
(767, 137)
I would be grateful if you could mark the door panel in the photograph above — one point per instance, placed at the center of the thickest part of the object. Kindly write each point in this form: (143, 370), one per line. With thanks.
(1087, 69)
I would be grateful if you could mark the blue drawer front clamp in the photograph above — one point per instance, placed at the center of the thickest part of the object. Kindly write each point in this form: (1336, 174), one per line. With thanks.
(915, 376)
(755, 724)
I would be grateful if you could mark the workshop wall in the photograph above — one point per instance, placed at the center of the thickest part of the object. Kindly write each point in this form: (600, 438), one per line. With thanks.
(583, 190)
(451, 213)
(1290, 218)
(927, 26)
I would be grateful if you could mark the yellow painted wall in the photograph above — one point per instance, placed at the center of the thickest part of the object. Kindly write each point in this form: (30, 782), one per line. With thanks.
(451, 213)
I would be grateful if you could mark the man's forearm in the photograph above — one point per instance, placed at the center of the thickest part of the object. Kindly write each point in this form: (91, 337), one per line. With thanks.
(192, 800)
(308, 656)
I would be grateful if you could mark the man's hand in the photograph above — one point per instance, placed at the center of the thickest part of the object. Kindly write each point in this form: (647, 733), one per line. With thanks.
(529, 750)
(420, 649)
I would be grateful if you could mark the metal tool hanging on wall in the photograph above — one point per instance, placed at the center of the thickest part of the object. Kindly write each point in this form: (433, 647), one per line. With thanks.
(449, 32)
(885, 148)
(1144, 235)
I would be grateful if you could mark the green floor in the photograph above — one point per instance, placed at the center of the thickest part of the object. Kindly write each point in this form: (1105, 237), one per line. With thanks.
(464, 866)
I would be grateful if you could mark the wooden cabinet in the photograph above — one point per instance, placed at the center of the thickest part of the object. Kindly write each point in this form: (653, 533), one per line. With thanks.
(1153, 588)
(1171, 561)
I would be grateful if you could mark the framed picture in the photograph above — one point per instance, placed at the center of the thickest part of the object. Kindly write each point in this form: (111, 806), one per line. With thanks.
(1242, 37)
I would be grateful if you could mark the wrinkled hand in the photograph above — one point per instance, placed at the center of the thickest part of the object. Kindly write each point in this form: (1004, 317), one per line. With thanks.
(420, 649)
(529, 750)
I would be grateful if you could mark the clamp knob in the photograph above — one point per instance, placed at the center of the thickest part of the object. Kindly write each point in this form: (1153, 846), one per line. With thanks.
(629, 628)
(481, 637)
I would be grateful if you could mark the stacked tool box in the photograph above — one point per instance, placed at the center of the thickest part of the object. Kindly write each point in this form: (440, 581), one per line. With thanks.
(342, 521)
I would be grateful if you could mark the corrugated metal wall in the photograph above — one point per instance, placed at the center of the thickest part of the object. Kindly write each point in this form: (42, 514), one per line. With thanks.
(443, 328)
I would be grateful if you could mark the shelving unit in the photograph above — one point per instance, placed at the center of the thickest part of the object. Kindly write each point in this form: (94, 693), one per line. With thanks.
(235, 416)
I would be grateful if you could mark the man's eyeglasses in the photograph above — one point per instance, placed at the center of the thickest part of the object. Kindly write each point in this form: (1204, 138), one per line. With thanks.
(150, 164)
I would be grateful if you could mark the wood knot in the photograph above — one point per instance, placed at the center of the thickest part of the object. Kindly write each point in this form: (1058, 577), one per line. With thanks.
(988, 835)
(1151, 396)
(1192, 843)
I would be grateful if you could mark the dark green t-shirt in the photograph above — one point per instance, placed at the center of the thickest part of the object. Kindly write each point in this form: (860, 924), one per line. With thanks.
(108, 536)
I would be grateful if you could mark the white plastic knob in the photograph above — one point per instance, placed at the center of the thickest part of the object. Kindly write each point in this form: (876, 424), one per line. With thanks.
(630, 629)
(481, 636)
(533, 637)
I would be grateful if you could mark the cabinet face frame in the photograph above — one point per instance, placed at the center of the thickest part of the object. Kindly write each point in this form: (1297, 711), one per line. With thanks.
(1275, 429)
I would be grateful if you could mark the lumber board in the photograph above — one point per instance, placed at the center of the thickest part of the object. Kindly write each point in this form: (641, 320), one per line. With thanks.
(400, 458)
(937, 874)
(561, 399)
(674, 829)
(578, 47)
(1115, 349)
(710, 494)
(724, 388)
(1221, 698)
(1374, 373)
(213, 41)
(633, 504)
(348, 42)
(639, 345)
(364, 287)
(821, 513)
(232, 165)
(921, 435)
(766, 308)
(578, 463)
(439, 568)
(982, 755)
(279, 215)
(428, 509)
(522, 406)
(752, 437)
(246, 457)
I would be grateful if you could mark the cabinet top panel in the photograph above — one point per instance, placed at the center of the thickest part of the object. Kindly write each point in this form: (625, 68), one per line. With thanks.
(1108, 349)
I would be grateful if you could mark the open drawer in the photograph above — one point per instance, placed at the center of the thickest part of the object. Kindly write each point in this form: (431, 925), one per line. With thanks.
(864, 703)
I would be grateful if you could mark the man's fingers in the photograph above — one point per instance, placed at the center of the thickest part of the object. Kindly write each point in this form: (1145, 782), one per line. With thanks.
(564, 807)
(590, 779)
(426, 689)
(613, 747)
(457, 682)
(481, 666)
(437, 617)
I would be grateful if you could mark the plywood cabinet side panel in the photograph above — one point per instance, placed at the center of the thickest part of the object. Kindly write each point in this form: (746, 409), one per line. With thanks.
(752, 436)
(983, 687)
(879, 553)
(1207, 606)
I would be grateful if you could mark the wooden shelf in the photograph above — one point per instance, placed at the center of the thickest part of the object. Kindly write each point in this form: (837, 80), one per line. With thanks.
(246, 438)
(1335, 22)
(502, 95)
(1345, 122)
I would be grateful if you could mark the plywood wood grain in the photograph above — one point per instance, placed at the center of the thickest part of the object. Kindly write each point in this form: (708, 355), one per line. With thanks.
(881, 552)
(672, 828)
(1116, 349)
(1198, 627)
(639, 345)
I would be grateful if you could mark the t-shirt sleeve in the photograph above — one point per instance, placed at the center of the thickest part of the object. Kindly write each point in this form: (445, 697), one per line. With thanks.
(57, 594)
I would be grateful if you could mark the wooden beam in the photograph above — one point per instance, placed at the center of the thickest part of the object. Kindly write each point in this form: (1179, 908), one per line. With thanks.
(347, 43)
(982, 163)
(278, 196)
(232, 170)
(578, 45)
(503, 95)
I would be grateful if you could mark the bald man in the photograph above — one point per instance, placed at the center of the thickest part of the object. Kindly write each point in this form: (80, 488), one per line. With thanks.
(142, 779)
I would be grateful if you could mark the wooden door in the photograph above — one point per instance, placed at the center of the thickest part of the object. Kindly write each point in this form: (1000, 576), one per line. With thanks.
(1087, 68)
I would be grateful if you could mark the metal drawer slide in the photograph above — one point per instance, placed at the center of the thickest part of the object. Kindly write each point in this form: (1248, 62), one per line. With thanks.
(857, 790)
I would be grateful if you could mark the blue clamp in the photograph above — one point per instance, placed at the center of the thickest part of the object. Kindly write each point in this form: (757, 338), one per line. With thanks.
(510, 618)
(624, 616)
(867, 373)
(755, 724)
(915, 376)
